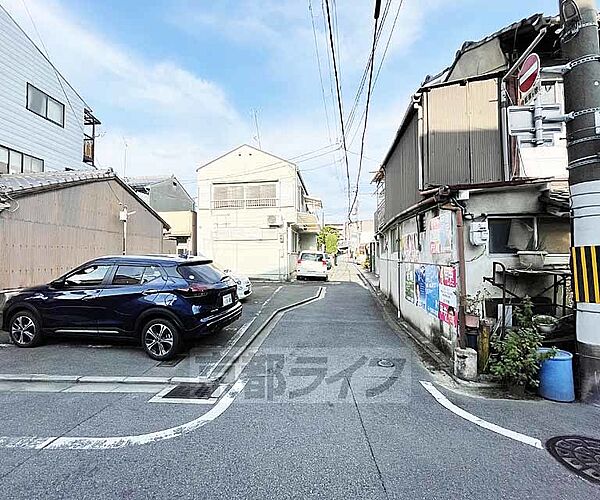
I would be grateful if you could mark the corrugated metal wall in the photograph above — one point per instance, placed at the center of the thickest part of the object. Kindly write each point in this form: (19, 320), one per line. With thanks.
(463, 140)
(402, 172)
(54, 231)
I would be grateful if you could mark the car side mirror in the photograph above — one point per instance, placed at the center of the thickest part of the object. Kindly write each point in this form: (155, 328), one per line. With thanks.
(60, 283)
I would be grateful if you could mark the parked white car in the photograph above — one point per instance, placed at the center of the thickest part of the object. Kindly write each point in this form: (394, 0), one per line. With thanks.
(244, 285)
(312, 265)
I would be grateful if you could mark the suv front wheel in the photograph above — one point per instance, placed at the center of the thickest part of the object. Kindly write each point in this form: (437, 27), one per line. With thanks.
(160, 339)
(24, 329)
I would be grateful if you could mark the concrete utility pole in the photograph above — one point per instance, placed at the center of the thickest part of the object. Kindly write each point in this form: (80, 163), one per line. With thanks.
(579, 40)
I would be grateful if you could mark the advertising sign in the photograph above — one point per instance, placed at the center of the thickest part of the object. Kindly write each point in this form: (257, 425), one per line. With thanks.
(432, 287)
(448, 307)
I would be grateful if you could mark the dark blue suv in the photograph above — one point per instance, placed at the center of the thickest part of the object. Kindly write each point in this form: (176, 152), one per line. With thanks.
(157, 300)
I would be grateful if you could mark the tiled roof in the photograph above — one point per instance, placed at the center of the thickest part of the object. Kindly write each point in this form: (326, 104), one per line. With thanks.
(16, 185)
(145, 181)
(26, 183)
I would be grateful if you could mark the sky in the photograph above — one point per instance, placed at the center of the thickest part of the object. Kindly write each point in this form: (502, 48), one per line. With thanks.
(177, 83)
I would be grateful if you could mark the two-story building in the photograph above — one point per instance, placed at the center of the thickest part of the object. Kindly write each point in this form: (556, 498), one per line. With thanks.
(45, 124)
(166, 195)
(471, 219)
(255, 214)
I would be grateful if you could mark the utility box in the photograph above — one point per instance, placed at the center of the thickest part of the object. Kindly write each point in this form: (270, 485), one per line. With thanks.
(479, 233)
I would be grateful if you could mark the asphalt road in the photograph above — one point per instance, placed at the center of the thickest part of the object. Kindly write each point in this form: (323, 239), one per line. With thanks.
(317, 418)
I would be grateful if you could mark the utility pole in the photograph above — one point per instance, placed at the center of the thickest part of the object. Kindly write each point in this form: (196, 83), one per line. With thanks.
(579, 41)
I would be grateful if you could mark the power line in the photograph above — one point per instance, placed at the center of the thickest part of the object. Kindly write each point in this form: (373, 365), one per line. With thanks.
(312, 19)
(275, 165)
(387, 46)
(339, 99)
(362, 145)
(363, 81)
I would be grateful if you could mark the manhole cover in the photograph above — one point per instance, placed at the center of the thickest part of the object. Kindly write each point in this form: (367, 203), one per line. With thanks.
(577, 453)
(192, 391)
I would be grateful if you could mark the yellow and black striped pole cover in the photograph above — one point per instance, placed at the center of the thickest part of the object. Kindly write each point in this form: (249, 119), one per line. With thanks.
(585, 264)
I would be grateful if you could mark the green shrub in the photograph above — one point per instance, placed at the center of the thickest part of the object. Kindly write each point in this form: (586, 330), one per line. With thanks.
(515, 358)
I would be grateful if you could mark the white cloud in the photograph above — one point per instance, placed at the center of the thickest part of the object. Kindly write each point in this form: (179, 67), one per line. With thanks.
(190, 117)
(174, 119)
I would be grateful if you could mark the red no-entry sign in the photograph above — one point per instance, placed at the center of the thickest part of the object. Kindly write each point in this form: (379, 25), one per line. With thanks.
(529, 73)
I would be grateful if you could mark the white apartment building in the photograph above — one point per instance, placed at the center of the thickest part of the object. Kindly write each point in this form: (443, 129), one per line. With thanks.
(255, 214)
(45, 124)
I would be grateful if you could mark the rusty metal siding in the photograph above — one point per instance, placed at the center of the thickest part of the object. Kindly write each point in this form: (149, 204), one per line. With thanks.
(463, 140)
(402, 172)
(53, 231)
(447, 143)
(485, 135)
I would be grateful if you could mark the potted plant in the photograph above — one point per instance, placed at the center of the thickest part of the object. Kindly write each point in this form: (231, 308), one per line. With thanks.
(473, 309)
(516, 358)
(544, 323)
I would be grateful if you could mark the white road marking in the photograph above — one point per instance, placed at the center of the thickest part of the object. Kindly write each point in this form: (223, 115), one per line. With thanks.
(105, 443)
(113, 442)
(233, 340)
(440, 398)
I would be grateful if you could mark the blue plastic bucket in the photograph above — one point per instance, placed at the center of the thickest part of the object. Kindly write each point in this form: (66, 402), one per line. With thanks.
(556, 377)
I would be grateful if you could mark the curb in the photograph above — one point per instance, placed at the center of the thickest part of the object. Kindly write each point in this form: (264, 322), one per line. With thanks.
(91, 379)
(423, 343)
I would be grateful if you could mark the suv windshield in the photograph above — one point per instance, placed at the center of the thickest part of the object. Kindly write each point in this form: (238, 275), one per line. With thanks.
(206, 274)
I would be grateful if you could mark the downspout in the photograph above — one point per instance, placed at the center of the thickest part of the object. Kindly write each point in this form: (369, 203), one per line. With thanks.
(462, 274)
(504, 103)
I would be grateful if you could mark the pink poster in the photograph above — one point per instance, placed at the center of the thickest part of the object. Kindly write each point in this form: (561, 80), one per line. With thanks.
(448, 307)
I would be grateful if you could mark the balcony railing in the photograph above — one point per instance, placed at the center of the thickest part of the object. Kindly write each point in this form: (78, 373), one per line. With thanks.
(241, 204)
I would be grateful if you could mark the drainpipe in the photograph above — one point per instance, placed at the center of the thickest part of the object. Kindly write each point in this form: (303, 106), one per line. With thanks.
(462, 274)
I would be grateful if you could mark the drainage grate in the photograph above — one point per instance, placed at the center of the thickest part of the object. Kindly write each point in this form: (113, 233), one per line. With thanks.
(192, 391)
(172, 362)
(578, 454)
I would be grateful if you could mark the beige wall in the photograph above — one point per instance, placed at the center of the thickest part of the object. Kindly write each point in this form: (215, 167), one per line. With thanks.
(53, 231)
(183, 223)
(241, 239)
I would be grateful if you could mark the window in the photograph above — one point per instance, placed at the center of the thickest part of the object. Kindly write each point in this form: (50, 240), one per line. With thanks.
(239, 196)
(45, 106)
(3, 160)
(92, 275)
(128, 275)
(15, 162)
(200, 273)
(394, 242)
(554, 235)
(509, 235)
(136, 275)
(313, 257)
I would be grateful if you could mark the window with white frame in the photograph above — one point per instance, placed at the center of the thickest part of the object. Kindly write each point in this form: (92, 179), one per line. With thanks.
(244, 195)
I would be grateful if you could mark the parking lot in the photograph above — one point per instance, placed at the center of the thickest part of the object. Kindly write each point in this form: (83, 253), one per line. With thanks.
(118, 362)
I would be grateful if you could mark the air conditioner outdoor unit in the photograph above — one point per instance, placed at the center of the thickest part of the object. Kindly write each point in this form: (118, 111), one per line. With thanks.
(274, 220)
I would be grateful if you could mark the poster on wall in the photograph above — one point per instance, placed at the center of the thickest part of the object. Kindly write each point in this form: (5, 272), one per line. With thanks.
(432, 289)
(420, 286)
(448, 308)
(409, 283)
(440, 233)
(410, 247)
